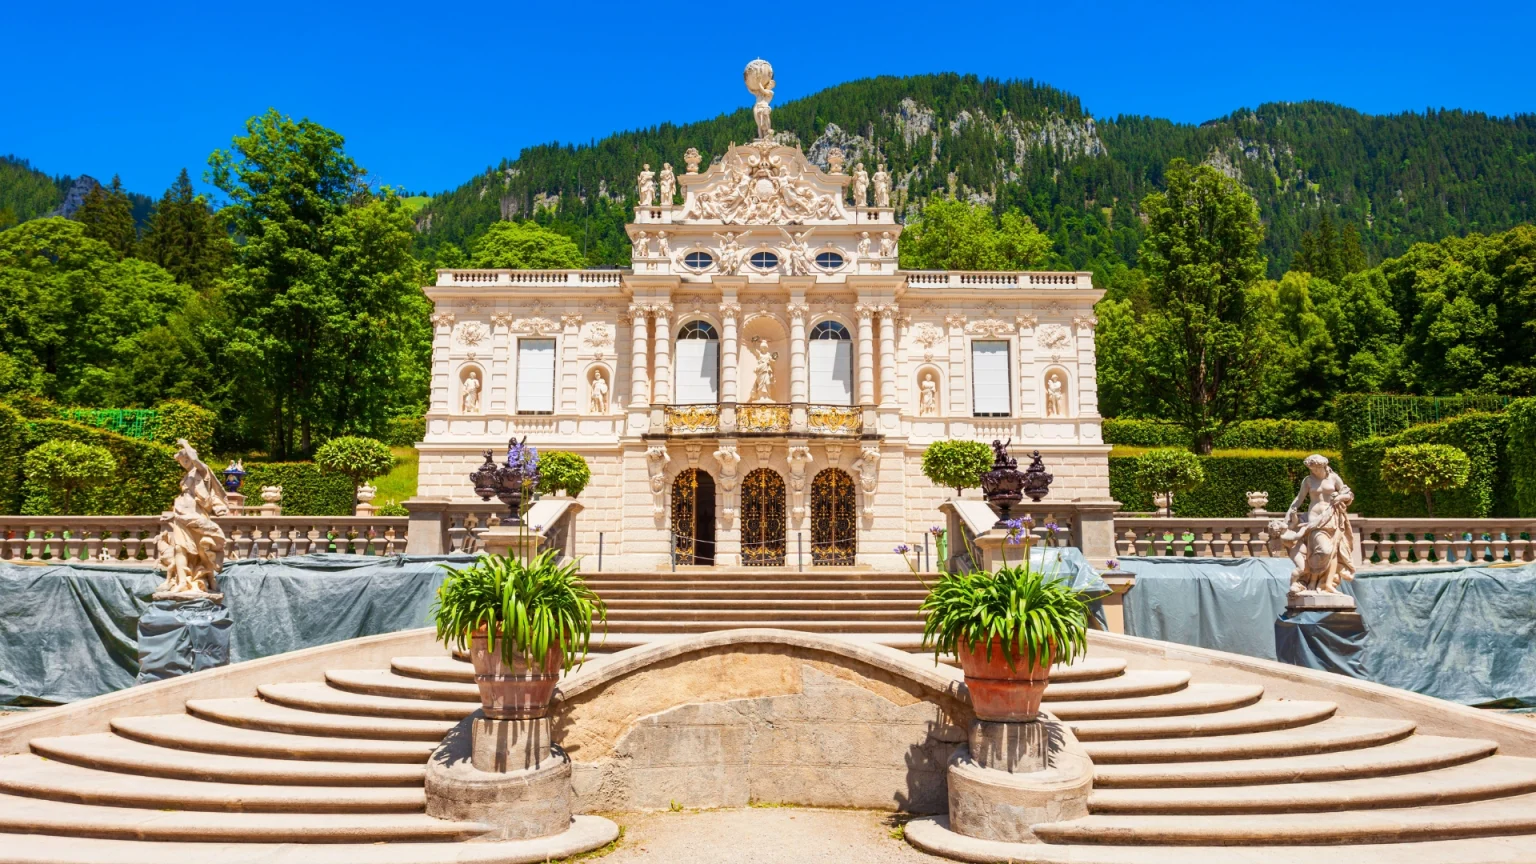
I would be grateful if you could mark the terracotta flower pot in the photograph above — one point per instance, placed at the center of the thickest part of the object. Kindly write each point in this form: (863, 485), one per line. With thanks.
(517, 691)
(1001, 694)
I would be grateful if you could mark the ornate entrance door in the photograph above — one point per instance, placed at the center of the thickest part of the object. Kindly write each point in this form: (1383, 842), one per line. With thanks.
(762, 519)
(693, 517)
(834, 519)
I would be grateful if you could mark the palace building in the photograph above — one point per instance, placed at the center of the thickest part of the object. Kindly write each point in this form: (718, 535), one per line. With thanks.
(760, 385)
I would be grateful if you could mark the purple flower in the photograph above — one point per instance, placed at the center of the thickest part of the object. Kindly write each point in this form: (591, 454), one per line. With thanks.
(1026, 520)
(902, 549)
(537, 528)
(1052, 527)
(1113, 564)
(936, 531)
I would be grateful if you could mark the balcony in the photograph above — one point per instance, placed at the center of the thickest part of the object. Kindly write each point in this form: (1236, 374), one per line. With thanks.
(843, 420)
(693, 419)
(760, 418)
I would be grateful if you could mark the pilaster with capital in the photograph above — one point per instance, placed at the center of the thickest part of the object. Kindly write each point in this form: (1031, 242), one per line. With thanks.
(570, 332)
(1087, 395)
(888, 356)
(866, 354)
(799, 373)
(661, 388)
(639, 361)
(499, 385)
(959, 398)
(1029, 401)
(729, 375)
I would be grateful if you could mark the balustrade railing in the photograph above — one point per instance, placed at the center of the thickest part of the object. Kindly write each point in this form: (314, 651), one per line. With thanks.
(541, 278)
(987, 279)
(132, 539)
(1382, 542)
(102, 539)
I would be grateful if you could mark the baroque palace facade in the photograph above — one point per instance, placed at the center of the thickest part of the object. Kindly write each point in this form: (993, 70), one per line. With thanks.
(760, 385)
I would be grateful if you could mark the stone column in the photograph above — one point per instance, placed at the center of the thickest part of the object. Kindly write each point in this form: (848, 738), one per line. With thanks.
(728, 368)
(888, 356)
(639, 362)
(866, 355)
(799, 371)
(661, 388)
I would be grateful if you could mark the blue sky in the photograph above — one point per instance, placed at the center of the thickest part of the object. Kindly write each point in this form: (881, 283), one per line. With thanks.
(428, 94)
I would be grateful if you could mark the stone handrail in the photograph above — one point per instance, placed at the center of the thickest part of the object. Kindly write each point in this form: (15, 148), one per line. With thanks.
(989, 279)
(131, 539)
(78, 538)
(540, 278)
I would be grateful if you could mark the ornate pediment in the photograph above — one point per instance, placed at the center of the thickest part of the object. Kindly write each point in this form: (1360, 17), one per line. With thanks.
(764, 183)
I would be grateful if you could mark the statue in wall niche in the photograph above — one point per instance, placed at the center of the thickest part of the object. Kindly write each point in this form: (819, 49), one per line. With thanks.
(469, 401)
(759, 78)
(597, 403)
(928, 402)
(647, 186)
(863, 247)
(668, 184)
(762, 373)
(887, 245)
(190, 547)
(1055, 397)
(860, 185)
(1321, 542)
(882, 187)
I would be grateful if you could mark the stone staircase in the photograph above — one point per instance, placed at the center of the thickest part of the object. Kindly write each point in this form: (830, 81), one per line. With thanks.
(819, 599)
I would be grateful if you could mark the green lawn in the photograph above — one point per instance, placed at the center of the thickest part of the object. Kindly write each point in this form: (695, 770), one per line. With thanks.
(414, 203)
(400, 483)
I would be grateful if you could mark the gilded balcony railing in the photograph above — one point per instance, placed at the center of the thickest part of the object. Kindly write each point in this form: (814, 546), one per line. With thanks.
(835, 420)
(693, 419)
(762, 418)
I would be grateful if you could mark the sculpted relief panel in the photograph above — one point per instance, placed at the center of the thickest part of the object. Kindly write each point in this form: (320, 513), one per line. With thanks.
(763, 183)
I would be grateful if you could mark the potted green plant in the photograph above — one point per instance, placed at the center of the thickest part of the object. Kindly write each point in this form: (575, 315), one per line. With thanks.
(1007, 628)
(523, 621)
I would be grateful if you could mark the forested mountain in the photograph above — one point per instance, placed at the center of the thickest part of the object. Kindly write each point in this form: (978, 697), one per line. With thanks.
(27, 193)
(1398, 179)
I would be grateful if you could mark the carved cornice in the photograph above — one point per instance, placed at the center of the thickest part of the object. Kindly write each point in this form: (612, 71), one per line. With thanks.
(535, 326)
(990, 327)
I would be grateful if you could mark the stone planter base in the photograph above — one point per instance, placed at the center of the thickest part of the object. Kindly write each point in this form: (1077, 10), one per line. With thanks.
(531, 800)
(1013, 776)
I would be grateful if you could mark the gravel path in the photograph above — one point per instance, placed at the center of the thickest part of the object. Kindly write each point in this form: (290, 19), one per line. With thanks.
(777, 835)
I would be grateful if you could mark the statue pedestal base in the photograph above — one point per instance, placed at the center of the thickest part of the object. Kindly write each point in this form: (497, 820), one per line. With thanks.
(182, 632)
(1329, 641)
(1011, 776)
(1310, 600)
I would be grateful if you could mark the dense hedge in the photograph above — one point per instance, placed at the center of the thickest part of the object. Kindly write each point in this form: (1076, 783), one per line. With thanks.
(1490, 490)
(176, 418)
(1247, 435)
(13, 443)
(1365, 415)
(1521, 455)
(405, 431)
(1229, 477)
(307, 491)
(146, 481)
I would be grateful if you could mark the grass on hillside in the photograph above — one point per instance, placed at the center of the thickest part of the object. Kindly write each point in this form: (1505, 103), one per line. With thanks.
(414, 203)
(400, 483)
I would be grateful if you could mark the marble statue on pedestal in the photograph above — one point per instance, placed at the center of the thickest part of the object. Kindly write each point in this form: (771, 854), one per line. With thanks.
(928, 402)
(647, 186)
(882, 187)
(860, 185)
(762, 373)
(668, 184)
(1322, 544)
(730, 251)
(759, 78)
(191, 545)
(663, 245)
(598, 402)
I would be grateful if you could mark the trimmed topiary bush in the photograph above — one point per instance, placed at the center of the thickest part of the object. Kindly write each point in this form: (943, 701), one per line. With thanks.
(405, 431)
(64, 467)
(560, 469)
(360, 459)
(145, 479)
(1521, 451)
(957, 464)
(1279, 435)
(13, 436)
(1146, 433)
(307, 490)
(391, 509)
(1488, 492)
(177, 418)
(1229, 477)
(1424, 468)
(1168, 469)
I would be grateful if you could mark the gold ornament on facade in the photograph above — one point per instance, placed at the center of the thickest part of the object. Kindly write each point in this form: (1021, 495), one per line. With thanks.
(693, 419)
(835, 420)
(762, 418)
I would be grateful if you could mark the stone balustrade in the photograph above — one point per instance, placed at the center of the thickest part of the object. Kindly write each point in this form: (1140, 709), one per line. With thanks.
(131, 539)
(282, 536)
(541, 278)
(1384, 542)
(78, 538)
(978, 279)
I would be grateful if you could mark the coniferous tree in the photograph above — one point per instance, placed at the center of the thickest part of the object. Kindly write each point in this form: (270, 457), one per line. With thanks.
(1330, 254)
(185, 238)
(107, 216)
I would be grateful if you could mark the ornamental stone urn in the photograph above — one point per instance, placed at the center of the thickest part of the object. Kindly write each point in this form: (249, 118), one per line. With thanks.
(1163, 501)
(1257, 501)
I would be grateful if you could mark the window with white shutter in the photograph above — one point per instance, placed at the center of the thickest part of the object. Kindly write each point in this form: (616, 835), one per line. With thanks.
(989, 379)
(535, 376)
(697, 371)
(831, 369)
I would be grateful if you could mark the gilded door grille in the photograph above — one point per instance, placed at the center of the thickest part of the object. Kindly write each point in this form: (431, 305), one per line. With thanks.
(762, 519)
(834, 525)
(685, 516)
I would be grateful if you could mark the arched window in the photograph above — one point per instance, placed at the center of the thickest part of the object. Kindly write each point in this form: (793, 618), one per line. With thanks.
(764, 260)
(831, 364)
(698, 260)
(698, 364)
(829, 260)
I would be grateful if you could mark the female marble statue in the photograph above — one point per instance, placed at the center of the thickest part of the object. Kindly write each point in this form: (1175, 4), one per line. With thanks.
(668, 184)
(598, 403)
(469, 403)
(928, 402)
(882, 187)
(191, 544)
(860, 185)
(1324, 541)
(647, 186)
(762, 375)
(863, 244)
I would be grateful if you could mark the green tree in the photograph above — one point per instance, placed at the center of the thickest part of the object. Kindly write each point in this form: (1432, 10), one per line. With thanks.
(184, 237)
(526, 246)
(1206, 331)
(64, 467)
(952, 235)
(1168, 470)
(107, 216)
(1421, 469)
(1328, 253)
(957, 464)
(560, 469)
(360, 459)
(1305, 370)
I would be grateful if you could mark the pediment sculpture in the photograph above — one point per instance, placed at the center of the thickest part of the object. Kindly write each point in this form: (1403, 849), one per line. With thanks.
(764, 183)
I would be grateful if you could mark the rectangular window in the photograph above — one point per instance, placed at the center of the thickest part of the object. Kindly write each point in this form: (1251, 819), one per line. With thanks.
(698, 372)
(831, 372)
(989, 380)
(535, 376)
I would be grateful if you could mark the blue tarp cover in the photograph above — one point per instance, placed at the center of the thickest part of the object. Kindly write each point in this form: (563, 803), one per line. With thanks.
(1459, 633)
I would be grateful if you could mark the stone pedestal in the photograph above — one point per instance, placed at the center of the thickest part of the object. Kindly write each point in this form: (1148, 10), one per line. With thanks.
(427, 528)
(1329, 641)
(1013, 776)
(530, 798)
(1313, 600)
(181, 633)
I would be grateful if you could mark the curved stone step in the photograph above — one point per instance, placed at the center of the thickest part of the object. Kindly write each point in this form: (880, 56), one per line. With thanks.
(1258, 717)
(31, 776)
(316, 696)
(107, 752)
(1494, 777)
(36, 816)
(1409, 755)
(1193, 699)
(1087, 669)
(1136, 682)
(439, 668)
(383, 682)
(186, 732)
(252, 713)
(1332, 735)
(1492, 818)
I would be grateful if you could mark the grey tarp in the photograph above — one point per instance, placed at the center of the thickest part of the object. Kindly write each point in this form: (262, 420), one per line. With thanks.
(1459, 633)
(70, 632)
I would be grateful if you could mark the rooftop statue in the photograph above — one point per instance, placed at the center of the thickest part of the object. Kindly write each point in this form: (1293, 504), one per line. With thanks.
(191, 544)
(759, 78)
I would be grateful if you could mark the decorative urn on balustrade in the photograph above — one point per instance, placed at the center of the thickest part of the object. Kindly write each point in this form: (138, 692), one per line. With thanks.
(1003, 486)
